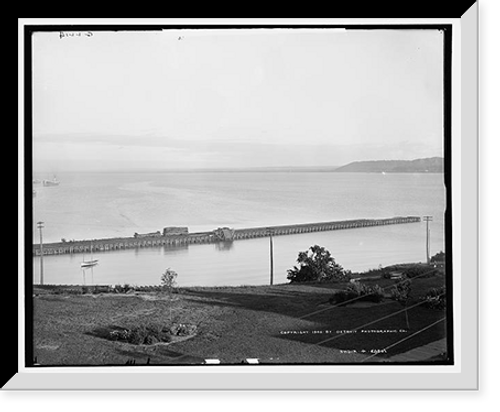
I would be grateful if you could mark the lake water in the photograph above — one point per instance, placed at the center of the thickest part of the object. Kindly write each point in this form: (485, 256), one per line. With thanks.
(98, 205)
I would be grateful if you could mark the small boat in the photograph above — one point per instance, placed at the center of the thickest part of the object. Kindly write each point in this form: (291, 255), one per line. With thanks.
(89, 263)
(53, 182)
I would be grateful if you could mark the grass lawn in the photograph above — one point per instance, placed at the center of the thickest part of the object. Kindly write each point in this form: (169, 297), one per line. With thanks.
(290, 323)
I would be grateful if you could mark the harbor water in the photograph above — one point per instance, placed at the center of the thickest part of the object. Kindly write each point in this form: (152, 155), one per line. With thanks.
(95, 205)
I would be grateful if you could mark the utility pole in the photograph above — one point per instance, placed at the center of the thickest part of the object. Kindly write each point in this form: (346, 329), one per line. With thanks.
(271, 257)
(34, 216)
(428, 219)
(40, 227)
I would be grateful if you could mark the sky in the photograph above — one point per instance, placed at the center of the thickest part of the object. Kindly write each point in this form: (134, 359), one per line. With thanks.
(240, 98)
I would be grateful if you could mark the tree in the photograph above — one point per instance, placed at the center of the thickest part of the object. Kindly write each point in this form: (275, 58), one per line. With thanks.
(168, 280)
(439, 257)
(317, 264)
(168, 283)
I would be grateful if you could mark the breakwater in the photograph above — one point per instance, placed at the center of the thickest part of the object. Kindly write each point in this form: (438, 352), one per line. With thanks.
(218, 235)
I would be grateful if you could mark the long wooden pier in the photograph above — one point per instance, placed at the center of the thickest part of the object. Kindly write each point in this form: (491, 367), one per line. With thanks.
(218, 235)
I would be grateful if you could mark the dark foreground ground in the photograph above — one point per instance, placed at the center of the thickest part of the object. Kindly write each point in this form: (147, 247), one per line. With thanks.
(282, 324)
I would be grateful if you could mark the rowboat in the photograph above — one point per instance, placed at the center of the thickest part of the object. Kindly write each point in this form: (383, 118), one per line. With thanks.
(91, 262)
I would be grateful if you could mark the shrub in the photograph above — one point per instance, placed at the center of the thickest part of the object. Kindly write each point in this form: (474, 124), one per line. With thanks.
(376, 294)
(123, 289)
(302, 274)
(420, 271)
(317, 264)
(401, 294)
(101, 289)
(439, 257)
(149, 334)
(401, 291)
(142, 335)
(183, 329)
(342, 296)
(71, 290)
(360, 292)
(357, 288)
(435, 298)
(95, 289)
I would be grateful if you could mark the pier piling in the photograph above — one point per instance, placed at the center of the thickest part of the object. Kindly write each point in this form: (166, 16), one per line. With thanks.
(82, 246)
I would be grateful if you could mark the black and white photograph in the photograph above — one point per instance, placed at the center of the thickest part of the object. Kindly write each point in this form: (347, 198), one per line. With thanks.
(240, 196)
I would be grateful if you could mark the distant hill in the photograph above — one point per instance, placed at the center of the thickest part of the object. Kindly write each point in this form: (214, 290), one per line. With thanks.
(428, 165)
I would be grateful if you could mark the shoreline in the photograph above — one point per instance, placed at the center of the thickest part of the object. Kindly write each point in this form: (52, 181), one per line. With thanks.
(108, 287)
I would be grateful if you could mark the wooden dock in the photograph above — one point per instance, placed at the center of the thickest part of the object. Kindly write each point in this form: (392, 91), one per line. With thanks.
(158, 240)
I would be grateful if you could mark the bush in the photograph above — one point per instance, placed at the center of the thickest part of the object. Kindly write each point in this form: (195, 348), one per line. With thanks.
(123, 289)
(342, 296)
(409, 270)
(183, 329)
(401, 291)
(435, 298)
(317, 264)
(95, 289)
(360, 292)
(382, 272)
(148, 334)
(375, 294)
(420, 271)
(142, 335)
(439, 257)
(101, 289)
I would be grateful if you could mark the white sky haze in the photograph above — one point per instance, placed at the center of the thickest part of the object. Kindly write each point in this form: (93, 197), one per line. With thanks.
(184, 99)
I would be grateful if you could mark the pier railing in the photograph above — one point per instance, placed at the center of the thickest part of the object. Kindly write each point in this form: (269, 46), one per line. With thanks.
(85, 246)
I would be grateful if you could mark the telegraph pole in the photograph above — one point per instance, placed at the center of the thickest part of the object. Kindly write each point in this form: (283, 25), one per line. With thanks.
(271, 257)
(34, 216)
(40, 227)
(428, 219)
